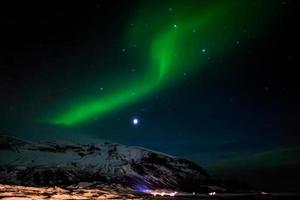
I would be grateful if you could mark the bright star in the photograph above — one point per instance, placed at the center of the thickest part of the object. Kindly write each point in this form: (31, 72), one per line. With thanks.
(135, 121)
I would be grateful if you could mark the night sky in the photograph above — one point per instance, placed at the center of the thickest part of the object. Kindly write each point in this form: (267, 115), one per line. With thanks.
(209, 81)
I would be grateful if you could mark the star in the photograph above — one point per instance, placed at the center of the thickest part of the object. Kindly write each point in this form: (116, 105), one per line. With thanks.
(135, 121)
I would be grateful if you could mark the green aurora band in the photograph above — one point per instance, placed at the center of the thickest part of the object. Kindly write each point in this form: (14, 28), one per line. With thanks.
(179, 39)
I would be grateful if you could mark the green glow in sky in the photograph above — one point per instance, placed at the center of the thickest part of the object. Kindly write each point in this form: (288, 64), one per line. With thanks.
(178, 37)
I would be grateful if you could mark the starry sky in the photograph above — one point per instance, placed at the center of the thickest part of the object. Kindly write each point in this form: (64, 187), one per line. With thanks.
(210, 81)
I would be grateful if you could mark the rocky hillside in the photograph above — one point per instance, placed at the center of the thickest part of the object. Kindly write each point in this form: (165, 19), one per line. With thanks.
(57, 163)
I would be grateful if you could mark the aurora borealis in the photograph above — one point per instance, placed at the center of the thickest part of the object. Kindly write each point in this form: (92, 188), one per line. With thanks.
(212, 81)
(173, 46)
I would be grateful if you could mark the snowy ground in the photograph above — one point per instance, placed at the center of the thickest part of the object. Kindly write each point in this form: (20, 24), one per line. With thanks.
(22, 192)
(14, 192)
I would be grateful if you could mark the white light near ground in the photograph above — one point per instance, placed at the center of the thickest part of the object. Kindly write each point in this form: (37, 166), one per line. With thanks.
(161, 193)
(211, 193)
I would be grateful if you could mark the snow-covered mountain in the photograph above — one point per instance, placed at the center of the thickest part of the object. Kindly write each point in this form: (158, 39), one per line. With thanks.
(58, 163)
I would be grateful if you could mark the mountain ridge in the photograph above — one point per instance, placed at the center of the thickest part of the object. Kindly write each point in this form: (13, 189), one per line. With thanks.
(58, 163)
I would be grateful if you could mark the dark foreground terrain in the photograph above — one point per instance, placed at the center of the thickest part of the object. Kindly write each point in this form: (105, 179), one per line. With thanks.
(60, 170)
(14, 192)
